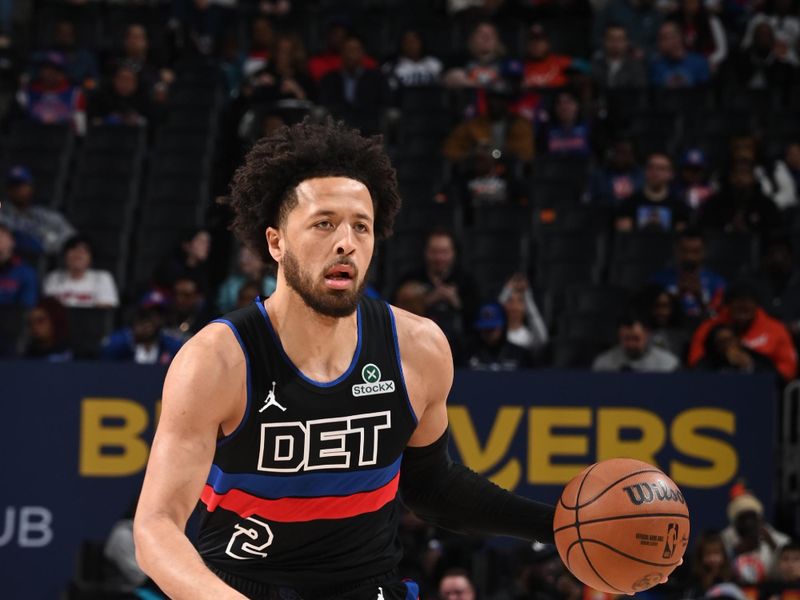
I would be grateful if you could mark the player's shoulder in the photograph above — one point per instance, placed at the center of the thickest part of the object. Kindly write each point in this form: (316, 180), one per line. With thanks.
(215, 345)
(422, 339)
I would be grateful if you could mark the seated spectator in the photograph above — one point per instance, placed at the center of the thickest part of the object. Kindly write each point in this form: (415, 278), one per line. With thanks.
(413, 66)
(640, 18)
(694, 186)
(455, 584)
(510, 135)
(48, 332)
(353, 90)
(664, 318)
(763, 63)
(154, 78)
(451, 299)
(247, 294)
(788, 570)
(655, 207)
(740, 206)
(702, 32)
(619, 178)
(190, 259)
(50, 98)
(250, 269)
(485, 63)
(755, 329)
(18, 284)
(37, 229)
(144, 342)
(411, 296)
(526, 327)
(778, 280)
(699, 290)
(259, 55)
(565, 132)
(77, 284)
(330, 59)
(752, 543)
(491, 350)
(80, 64)
(542, 68)
(290, 69)
(786, 175)
(186, 313)
(635, 352)
(709, 565)
(725, 352)
(616, 66)
(122, 101)
(674, 67)
(781, 16)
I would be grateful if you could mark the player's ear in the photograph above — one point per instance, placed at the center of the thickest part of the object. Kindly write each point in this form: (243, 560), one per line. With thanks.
(274, 243)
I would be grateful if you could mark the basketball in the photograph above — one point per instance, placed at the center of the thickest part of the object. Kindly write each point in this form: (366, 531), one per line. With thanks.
(621, 526)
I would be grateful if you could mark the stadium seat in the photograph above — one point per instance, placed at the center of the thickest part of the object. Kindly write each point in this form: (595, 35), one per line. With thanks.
(502, 218)
(554, 193)
(587, 299)
(88, 327)
(425, 100)
(576, 354)
(653, 249)
(731, 254)
(12, 326)
(596, 326)
(498, 246)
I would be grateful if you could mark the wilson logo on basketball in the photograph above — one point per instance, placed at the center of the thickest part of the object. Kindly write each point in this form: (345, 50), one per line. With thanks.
(644, 493)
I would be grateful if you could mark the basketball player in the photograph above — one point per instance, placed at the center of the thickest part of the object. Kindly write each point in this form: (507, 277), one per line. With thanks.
(298, 420)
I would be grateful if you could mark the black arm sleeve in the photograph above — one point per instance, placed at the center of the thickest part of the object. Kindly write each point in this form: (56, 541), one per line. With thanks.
(454, 497)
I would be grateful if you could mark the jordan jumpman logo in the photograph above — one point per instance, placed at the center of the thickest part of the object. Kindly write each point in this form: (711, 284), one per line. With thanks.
(270, 400)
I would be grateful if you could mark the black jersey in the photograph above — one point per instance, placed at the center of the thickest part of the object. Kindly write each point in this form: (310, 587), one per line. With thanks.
(304, 491)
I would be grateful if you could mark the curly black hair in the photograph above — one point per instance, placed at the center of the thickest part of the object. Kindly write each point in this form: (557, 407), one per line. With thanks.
(263, 188)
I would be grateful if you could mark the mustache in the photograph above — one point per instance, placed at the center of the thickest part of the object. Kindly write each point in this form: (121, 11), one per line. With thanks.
(342, 261)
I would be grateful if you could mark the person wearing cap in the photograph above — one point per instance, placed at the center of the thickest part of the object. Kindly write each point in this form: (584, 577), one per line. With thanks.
(751, 541)
(753, 326)
(50, 98)
(144, 342)
(491, 350)
(693, 185)
(38, 229)
(634, 352)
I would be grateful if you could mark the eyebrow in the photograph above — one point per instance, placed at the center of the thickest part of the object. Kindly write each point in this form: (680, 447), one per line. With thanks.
(332, 213)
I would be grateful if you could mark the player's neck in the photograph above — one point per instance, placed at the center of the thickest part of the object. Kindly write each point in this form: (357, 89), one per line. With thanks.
(321, 347)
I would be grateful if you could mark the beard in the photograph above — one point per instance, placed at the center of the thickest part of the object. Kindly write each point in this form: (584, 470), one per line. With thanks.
(327, 302)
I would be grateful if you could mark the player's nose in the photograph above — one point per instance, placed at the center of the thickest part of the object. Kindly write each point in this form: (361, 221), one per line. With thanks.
(345, 244)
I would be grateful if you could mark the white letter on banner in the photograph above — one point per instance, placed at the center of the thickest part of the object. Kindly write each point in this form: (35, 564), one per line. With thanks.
(35, 520)
(8, 528)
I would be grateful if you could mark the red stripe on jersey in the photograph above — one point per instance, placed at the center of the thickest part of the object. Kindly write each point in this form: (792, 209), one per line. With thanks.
(295, 510)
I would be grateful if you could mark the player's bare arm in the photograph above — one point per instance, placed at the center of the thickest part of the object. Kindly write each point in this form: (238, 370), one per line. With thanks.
(435, 488)
(204, 393)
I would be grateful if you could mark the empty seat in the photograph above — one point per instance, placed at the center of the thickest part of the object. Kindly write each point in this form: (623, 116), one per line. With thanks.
(423, 100)
(549, 193)
(567, 168)
(88, 327)
(588, 299)
(497, 246)
(731, 254)
(576, 354)
(502, 218)
(653, 249)
(115, 139)
(597, 326)
(12, 326)
(632, 275)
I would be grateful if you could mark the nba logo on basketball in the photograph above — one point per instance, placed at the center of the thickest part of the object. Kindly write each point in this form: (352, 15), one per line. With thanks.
(671, 541)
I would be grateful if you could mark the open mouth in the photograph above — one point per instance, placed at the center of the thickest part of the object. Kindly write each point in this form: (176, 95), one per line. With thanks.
(339, 276)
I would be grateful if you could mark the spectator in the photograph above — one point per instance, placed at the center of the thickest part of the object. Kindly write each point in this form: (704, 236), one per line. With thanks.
(48, 332)
(786, 175)
(694, 185)
(80, 64)
(709, 566)
(492, 351)
(635, 352)
(664, 319)
(455, 584)
(38, 229)
(262, 46)
(452, 294)
(674, 67)
(754, 328)
(640, 19)
(526, 327)
(511, 136)
(702, 32)
(655, 207)
(18, 285)
(330, 59)
(763, 63)
(413, 66)
(290, 68)
(485, 64)
(122, 101)
(699, 290)
(781, 16)
(247, 294)
(566, 133)
(788, 570)
(154, 78)
(144, 342)
(411, 296)
(189, 260)
(725, 352)
(250, 269)
(543, 69)
(353, 90)
(77, 284)
(615, 66)
(778, 279)
(740, 205)
(186, 313)
(752, 543)
(50, 98)
(619, 178)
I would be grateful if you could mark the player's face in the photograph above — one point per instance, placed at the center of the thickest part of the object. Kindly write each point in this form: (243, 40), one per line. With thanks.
(325, 244)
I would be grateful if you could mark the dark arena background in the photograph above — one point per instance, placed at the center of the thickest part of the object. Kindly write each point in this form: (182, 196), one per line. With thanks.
(600, 210)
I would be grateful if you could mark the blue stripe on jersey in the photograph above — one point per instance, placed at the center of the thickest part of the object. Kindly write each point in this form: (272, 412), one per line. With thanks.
(309, 485)
(400, 362)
